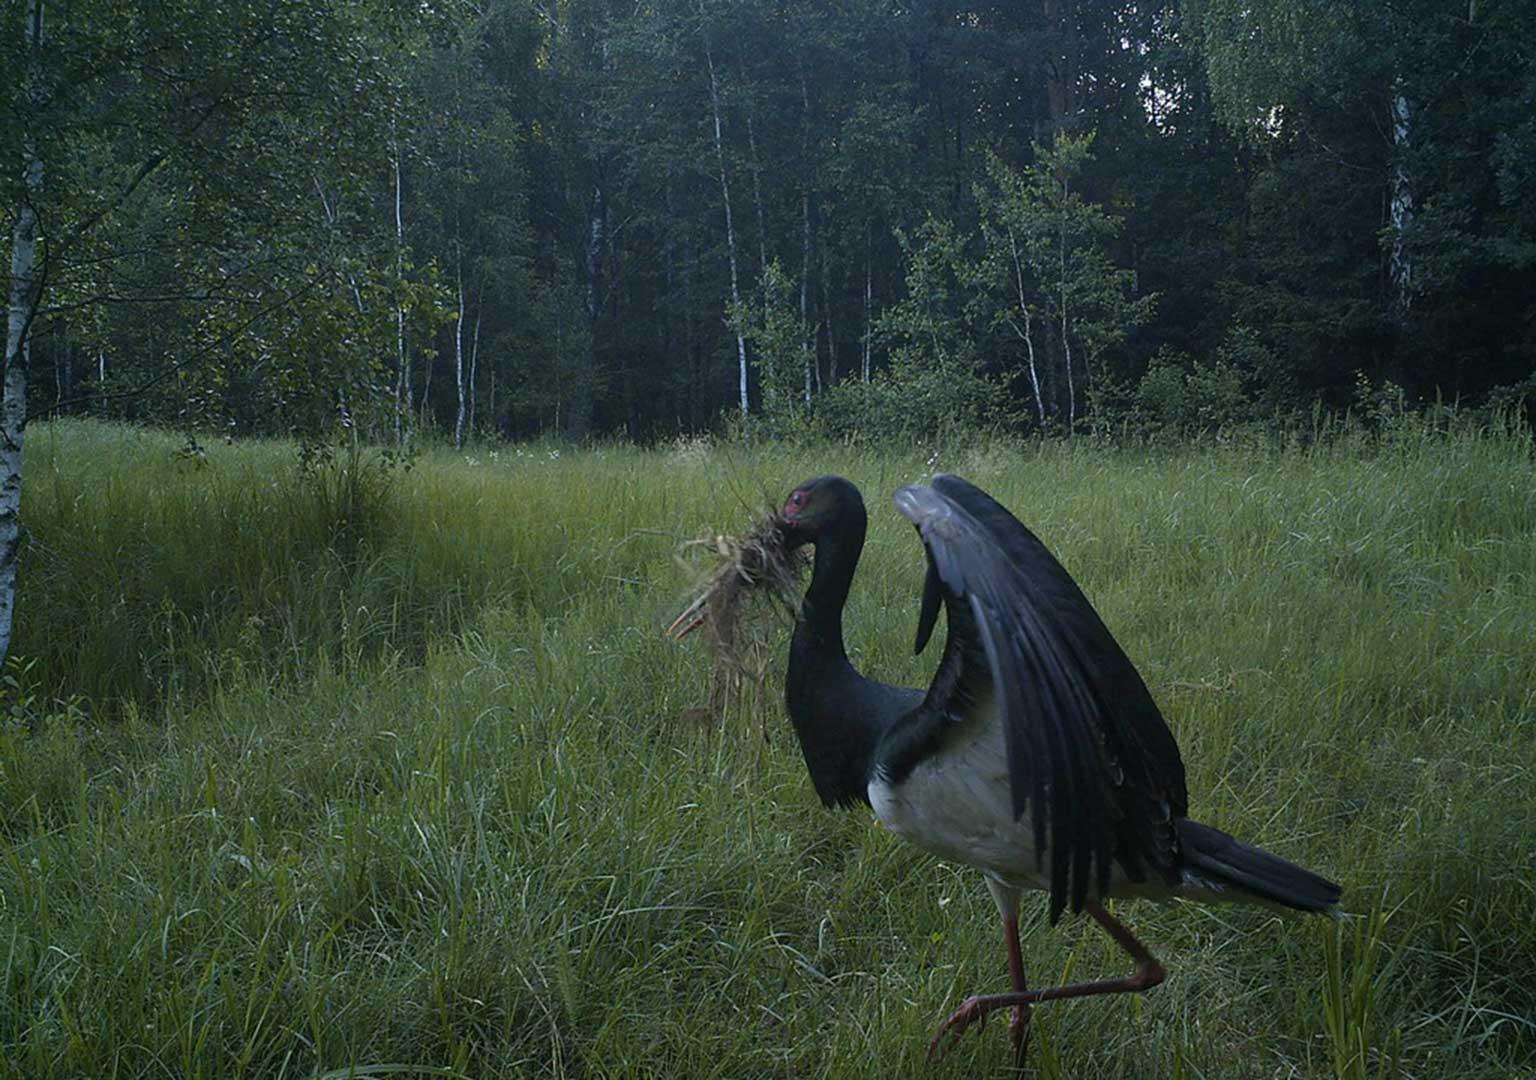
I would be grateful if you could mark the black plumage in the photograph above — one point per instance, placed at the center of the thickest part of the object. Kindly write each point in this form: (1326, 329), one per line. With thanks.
(1087, 747)
(1036, 754)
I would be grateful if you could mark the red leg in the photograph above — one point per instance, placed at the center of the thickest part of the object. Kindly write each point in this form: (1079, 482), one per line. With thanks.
(1018, 1030)
(974, 1010)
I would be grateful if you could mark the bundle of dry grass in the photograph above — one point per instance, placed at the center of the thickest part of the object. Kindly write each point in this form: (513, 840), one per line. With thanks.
(755, 574)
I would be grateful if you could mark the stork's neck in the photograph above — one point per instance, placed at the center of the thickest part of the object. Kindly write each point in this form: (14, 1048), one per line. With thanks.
(829, 702)
(819, 629)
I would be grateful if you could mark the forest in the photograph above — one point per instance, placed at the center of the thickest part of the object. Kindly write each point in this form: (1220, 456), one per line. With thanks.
(584, 218)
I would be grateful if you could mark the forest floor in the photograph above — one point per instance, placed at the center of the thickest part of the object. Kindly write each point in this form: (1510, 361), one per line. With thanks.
(378, 773)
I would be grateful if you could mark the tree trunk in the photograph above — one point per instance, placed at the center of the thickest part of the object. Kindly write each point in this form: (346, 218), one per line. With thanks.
(403, 394)
(807, 353)
(1066, 342)
(424, 414)
(1400, 265)
(21, 308)
(63, 371)
(458, 359)
(1060, 63)
(474, 351)
(579, 416)
(826, 317)
(869, 304)
(1027, 333)
(730, 227)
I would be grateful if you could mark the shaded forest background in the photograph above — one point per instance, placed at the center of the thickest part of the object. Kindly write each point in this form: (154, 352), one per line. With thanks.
(523, 218)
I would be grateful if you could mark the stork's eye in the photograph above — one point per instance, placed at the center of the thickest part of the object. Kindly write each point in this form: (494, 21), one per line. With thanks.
(794, 504)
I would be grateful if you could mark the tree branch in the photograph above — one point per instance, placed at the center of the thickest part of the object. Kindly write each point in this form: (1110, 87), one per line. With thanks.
(182, 365)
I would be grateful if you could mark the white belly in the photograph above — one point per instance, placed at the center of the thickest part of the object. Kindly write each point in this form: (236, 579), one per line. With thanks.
(958, 805)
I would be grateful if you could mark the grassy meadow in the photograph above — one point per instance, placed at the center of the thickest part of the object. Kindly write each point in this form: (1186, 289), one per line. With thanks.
(368, 774)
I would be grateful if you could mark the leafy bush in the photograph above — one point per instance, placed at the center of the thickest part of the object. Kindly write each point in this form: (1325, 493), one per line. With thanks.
(913, 401)
(1189, 399)
(934, 386)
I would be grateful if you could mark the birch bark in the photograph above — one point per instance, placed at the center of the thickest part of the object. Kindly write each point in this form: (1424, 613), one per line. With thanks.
(21, 307)
(1066, 341)
(403, 395)
(806, 355)
(1027, 332)
(474, 351)
(869, 306)
(730, 226)
(458, 359)
(1400, 265)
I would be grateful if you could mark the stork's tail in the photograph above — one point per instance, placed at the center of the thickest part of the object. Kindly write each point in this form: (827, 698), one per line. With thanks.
(1214, 861)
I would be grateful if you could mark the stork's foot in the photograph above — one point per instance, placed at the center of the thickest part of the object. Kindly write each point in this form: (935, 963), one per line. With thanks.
(973, 1010)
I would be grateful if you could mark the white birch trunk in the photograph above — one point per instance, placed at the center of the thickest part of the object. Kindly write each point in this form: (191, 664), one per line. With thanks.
(869, 305)
(424, 406)
(1066, 341)
(826, 318)
(1400, 265)
(807, 346)
(757, 199)
(21, 306)
(402, 358)
(1027, 333)
(730, 226)
(330, 217)
(474, 351)
(807, 355)
(458, 362)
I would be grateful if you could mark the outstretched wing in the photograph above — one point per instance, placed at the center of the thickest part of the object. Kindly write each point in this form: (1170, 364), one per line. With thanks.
(1089, 755)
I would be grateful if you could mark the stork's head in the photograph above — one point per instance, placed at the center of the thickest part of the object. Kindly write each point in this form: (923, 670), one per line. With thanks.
(825, 506)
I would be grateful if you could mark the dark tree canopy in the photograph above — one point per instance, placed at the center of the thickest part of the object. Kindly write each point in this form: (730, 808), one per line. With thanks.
(506, 218)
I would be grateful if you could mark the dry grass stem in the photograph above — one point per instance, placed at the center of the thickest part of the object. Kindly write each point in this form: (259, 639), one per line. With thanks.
(754, 574)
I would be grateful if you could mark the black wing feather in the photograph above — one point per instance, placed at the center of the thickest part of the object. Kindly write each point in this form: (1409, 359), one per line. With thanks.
(1088, 752)
(930, 611)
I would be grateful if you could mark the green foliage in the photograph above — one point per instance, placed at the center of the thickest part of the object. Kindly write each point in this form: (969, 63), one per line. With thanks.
(934, 386)
(1260, 57)
(1189, 399)
(491, 843)
(778, 343)
(221, 223)
(912, 402)
(1046, 275)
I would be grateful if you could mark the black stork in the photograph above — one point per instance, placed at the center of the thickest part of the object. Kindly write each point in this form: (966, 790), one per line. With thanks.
(1036, 754)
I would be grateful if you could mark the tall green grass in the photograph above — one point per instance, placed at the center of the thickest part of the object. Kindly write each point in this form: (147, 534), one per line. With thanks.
(379, 772)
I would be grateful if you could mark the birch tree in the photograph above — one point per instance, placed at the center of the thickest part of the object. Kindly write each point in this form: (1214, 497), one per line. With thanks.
(25, 287)
(1046, 275)
(725, 199)
(133, 180)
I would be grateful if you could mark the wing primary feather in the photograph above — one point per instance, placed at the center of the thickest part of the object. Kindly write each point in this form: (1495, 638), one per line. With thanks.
(932, 593)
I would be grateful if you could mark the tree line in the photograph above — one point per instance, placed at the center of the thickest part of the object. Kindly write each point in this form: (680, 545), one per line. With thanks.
(514, 218)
